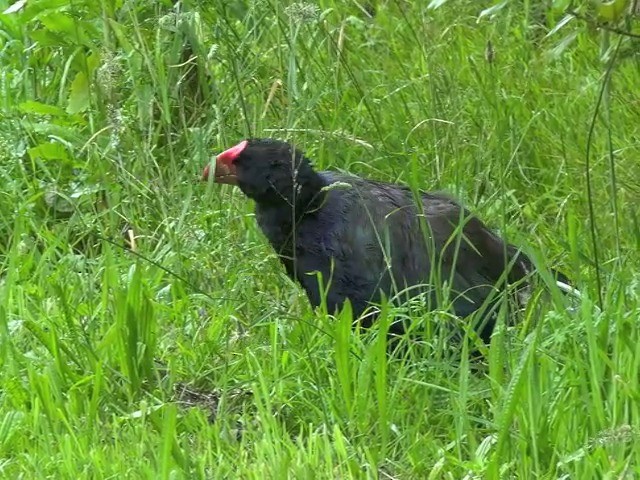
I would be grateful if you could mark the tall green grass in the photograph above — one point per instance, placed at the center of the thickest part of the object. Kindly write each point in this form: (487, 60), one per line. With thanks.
(194, 356)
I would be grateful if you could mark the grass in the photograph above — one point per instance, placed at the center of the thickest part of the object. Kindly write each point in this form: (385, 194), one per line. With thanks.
(196, 357)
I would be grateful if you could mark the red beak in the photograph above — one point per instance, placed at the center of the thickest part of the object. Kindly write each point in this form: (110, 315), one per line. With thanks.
(223, 173)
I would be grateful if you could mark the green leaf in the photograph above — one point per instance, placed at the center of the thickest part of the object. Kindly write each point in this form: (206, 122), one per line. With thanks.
(39, 108)
(121, 35)
(612, 11)
(487, 12)
(560, 24)
(71, 30)
(436, 3)
(560, 5)
(59, 22)
(79, 96)
(15, 7)
(49, 151)
(562, 45)
(86, 64)
(47, 38)
(58, 202)
(68, 133)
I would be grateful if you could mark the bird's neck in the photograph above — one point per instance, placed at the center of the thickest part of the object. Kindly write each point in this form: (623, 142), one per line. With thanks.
(286, 215)
(309, 194)
(278, 224)
(279, 220)
(301, 198)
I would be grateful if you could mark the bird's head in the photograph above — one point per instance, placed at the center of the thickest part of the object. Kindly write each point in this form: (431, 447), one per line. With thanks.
(267, 171)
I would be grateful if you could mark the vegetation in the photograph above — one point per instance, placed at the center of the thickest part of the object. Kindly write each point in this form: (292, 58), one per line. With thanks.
(147, 330)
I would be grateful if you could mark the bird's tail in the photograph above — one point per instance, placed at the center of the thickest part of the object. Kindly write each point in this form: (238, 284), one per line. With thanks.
(524, 267)
(564, 284)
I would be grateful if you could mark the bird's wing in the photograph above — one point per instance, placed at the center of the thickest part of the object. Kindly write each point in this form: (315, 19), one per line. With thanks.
(475, 258)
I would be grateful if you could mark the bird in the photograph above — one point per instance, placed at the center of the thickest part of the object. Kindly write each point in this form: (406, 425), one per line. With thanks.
(347, 238)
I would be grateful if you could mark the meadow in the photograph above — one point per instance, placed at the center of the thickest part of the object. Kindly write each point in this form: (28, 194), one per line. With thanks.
(147, 329)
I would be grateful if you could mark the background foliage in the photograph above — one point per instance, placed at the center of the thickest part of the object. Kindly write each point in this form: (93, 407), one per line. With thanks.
(194, 356)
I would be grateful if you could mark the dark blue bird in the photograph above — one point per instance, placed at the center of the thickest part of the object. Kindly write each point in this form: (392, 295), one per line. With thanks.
(370, 239)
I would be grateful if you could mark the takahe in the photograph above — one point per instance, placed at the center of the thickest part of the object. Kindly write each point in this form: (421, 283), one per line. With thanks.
(368, 238)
